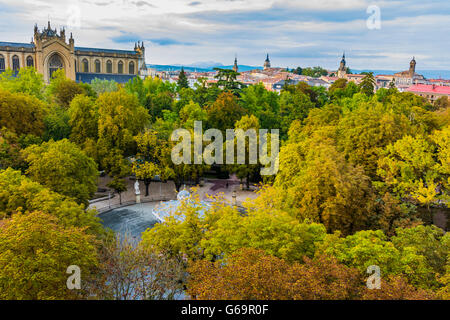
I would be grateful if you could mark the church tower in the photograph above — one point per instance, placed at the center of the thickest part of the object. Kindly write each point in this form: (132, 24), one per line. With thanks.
(342, 71)
(412, 68)
(267, 63)
(235, 67)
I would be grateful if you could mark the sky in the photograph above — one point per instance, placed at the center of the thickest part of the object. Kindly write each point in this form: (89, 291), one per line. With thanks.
(373, 34)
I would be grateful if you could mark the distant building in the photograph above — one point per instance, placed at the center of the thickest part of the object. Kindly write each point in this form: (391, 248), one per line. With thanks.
(49, 52)
(314, 82)
(267, 63)
(342, 71)
(235, 66)
(405, 79)
(356, 78)
(430, 92)
(279, 85)
(383, 81)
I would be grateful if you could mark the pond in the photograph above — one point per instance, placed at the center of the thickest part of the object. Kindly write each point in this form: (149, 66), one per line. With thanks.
(131, 220)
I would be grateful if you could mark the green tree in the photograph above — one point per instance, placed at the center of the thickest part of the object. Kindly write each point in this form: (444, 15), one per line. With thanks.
(62, 90)
(366, 248)
(190, 113)
(27, 81)
(413, 169)
(182, 80)
(35, 252)
(120, 119)
(246, 170)
(368, 84)
(101, 86)
(19, 194)
(227, 80)
(56, 124)
(224, 112)
(21, 113)
(83, 121)
(316, 182)
(119, 185)
(364, 134)
(64, 168)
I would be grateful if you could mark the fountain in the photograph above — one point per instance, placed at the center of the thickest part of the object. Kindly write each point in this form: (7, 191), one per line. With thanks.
(135, 219)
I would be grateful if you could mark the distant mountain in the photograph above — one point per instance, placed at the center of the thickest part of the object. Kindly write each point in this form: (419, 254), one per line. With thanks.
(160, 67)
(197, 68)
(205, 64)
(430, 74)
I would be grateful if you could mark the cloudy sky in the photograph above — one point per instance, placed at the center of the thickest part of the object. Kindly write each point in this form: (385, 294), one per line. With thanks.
(293, 32)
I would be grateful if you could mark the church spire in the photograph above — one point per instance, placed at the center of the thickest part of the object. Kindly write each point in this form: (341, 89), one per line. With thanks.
(235, 66)
(267, 63)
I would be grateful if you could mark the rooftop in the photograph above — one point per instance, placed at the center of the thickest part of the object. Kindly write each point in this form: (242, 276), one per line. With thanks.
(427, 88)
(104, 50)
(16, 44)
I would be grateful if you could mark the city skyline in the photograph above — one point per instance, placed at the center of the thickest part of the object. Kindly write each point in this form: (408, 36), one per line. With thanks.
(294, 33)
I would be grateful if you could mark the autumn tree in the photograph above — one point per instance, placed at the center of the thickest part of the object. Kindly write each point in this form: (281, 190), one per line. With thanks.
(364, 134)
(19, 194)
(84, 116)
(224, 112)
(246, 170)
(64, 168)
(21, 113)
(397, 288)
(62, 90)
(120, 119)
(250, 274)
(35, 252)
(412, 168)
(316, 182)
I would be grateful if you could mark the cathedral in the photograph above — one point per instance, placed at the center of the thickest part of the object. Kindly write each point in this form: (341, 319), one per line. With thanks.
(50, 51)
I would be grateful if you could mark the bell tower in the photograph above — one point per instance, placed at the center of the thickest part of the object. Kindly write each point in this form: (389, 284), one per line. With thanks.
(235, 67)
(412, 68)
(342, 71)
(267, 63)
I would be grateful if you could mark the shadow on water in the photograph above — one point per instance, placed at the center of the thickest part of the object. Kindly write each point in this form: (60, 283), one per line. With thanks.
(131, 220)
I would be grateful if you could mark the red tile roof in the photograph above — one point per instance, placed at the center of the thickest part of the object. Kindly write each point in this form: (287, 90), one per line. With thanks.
(427, 88)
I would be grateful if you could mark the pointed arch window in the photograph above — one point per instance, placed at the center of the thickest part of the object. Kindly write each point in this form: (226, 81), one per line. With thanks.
(15, 63)
(85, 64)
(55, 63)
(120, 67)
(131, 68)
(30, 61)
(108, 66)
(2, 63)
(98, 68)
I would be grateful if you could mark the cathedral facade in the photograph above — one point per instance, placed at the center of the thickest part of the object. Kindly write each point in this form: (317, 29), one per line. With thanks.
(50, 51)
